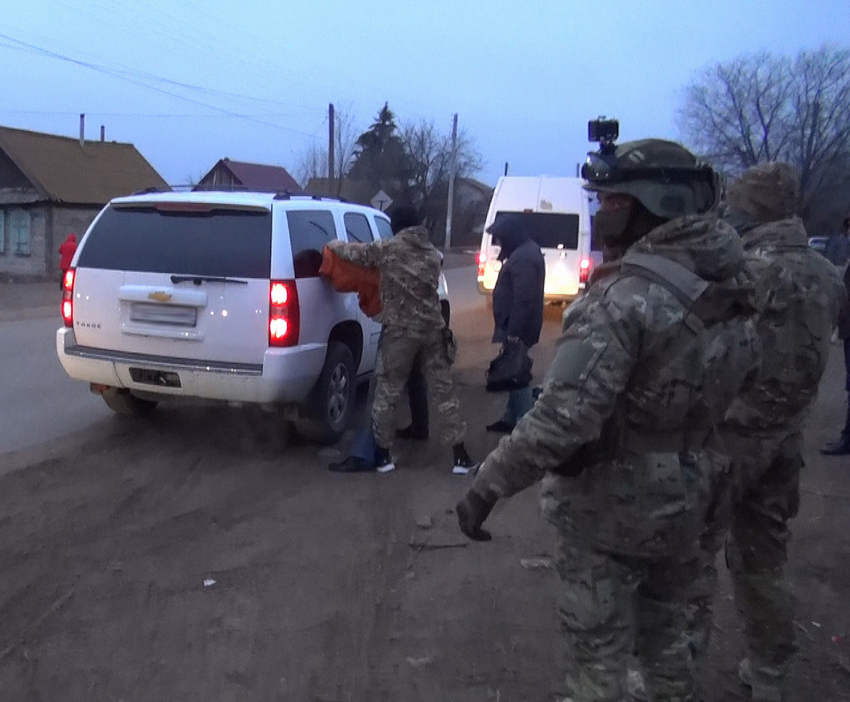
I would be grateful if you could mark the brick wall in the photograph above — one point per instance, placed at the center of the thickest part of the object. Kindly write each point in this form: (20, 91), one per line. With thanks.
(49, 225)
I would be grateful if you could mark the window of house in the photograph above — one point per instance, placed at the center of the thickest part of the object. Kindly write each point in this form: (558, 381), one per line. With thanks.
(357, 228)
(2, 231)
(309, 231)
(19, 228)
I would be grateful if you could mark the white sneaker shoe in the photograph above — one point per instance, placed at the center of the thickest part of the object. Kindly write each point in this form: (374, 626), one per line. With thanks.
(460, 469)
(383, 461)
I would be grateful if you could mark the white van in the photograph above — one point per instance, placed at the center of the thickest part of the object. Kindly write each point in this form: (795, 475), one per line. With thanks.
(557, 214)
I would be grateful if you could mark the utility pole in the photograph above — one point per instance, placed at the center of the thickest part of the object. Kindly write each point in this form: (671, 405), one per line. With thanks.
(331, 120)
(448, 243)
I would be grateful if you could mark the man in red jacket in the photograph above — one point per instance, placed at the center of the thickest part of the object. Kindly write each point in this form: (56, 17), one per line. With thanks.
(67, 249)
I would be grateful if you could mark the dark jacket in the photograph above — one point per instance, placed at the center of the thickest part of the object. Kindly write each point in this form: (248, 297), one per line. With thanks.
(837, 249)
(518, 293)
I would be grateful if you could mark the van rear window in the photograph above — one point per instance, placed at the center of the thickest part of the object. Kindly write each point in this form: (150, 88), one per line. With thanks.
(549, 229)
(219, 242)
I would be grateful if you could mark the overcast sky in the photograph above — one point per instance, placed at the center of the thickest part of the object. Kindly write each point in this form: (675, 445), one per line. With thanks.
(193, 81)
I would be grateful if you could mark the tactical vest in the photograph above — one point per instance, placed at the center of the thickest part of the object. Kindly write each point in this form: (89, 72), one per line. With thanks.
(706, 305)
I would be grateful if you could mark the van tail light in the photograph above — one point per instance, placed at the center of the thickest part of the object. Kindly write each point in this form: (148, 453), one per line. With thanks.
(482, 259)
(284, 313)
(584, 270)
(68, 297)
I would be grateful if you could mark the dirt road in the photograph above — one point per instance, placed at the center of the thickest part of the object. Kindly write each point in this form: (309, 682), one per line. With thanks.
(202, 556)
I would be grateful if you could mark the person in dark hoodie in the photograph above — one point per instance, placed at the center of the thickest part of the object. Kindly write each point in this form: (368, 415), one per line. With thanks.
(517, 303)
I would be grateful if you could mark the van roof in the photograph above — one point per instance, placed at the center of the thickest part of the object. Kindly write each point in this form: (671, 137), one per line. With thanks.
(538, 193)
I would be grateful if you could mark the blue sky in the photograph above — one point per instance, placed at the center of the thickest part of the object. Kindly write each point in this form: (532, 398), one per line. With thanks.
(524, 77)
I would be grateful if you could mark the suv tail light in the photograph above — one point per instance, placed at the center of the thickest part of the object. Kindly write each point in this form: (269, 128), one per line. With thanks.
(284, 314)
(482, 259)
(68, 297)
(584, 271)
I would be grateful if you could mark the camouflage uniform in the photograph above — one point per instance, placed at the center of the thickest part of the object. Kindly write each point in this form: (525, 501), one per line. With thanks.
(412, 325)
(799, 293)
(623, 439)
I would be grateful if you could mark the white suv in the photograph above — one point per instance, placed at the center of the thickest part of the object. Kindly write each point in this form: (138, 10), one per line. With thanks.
(217, 295)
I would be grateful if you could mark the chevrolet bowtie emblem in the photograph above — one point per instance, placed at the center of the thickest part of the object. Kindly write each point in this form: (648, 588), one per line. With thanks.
(159, 296)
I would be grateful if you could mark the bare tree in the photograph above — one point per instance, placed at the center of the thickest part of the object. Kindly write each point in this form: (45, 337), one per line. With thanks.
(430, 152)
(764, 108)
(314, 160)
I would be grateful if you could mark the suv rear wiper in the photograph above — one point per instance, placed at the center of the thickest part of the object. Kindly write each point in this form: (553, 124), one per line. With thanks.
(198, 279)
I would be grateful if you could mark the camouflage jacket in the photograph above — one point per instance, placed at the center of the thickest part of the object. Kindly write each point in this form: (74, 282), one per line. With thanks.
(410, 273)
(800, 293)
(623, 432)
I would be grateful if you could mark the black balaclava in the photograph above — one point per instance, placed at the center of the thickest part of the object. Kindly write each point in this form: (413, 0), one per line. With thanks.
(619, 228)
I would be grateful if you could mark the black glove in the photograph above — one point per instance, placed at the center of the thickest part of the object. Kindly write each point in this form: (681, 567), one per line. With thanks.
(472, 510)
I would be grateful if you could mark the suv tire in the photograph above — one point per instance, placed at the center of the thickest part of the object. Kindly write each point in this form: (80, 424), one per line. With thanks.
(123, 402)
(331, 403)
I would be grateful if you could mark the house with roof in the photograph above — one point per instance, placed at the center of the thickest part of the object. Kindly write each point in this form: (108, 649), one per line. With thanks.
(239, 175)
(51, 186)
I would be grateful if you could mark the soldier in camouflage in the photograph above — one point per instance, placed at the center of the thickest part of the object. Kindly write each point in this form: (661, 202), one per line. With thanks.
(623, 435)
(413, 326)
(800, 293)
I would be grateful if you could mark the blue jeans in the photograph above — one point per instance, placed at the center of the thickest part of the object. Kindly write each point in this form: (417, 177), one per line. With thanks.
(519, 402)
(364, 445)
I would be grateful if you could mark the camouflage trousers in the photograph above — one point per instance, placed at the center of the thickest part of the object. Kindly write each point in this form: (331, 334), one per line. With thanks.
(767, 496)
(613, 608)
(398, 352)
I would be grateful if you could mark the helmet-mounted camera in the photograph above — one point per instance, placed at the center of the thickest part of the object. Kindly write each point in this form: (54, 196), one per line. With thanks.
(600, 164)
(604, 131)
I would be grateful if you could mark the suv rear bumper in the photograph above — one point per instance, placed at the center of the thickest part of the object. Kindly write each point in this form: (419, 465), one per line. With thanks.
(286, 375)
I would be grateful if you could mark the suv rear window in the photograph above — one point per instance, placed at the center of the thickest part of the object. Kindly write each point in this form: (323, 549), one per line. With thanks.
(549, 229)
(216, 242)
(309, 231)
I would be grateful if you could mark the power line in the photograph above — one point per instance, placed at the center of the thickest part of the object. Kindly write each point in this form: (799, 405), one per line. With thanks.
(19, 45)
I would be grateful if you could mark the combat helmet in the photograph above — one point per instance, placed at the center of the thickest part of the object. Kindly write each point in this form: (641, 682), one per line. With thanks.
(766, 192)
(666, 178)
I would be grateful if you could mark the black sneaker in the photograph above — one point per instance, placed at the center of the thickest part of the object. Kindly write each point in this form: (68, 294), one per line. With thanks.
(411, 432)
(463, 463)
(383, 460)
(352, 464)
(501, 426)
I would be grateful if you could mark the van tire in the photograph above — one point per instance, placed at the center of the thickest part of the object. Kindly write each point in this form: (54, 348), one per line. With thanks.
(331, 404)
(123, 402)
